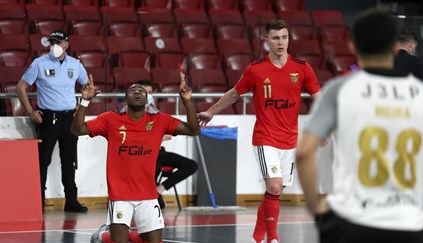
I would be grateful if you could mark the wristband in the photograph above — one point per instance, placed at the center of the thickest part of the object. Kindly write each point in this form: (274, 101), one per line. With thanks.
(84, 103)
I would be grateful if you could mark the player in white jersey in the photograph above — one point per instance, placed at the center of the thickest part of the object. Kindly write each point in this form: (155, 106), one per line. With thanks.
(376, 115)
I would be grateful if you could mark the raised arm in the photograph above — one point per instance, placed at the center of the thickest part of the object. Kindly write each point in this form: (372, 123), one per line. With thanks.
(229, 98)
(78, 123)
(191, 127)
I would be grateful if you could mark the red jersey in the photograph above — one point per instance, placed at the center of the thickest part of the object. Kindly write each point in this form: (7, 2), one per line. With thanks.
(277, 97)
(132, 150)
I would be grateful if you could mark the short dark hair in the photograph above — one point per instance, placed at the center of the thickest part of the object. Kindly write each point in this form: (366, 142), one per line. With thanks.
(275, 24)
(374, 33)
(406, 36)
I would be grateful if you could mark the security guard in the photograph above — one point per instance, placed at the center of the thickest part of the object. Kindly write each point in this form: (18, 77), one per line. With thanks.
(55, 76)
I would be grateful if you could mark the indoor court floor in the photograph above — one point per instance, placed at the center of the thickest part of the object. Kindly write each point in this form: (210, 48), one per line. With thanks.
(186, 226)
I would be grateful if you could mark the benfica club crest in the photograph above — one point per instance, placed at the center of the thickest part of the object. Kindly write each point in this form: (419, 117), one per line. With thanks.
(149, 126)
(294, 77)
(70, 73)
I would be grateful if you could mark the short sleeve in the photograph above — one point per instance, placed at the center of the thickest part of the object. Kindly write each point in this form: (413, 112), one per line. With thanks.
(83, 76)
(98, 126)
(311, 83)
(31, 73)
(171, 122)
(246, 82)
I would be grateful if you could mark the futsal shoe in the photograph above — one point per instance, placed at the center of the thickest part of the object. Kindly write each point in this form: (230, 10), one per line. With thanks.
(254, 241)
(96, 237)
(75, 207)
(274, 241)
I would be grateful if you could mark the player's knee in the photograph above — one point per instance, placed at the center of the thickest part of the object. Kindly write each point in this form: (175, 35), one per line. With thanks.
(274, 188)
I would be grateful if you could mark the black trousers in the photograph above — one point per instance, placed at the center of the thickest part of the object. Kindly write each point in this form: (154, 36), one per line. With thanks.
(56, 127)
(185, 166)
(334, 229)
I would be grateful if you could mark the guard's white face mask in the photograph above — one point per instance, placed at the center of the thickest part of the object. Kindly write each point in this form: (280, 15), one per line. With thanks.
(150, 100)
(56, 50)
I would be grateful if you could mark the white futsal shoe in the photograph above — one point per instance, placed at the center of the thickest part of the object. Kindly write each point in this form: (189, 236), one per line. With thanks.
(96, 237)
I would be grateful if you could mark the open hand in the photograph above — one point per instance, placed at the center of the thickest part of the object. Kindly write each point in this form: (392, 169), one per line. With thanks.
(89, 91)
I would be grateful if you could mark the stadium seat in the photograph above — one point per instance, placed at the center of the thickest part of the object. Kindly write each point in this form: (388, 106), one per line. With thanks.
(154, 15)
(205, 77)
(233, 75)
(44, 19)
(258, 18)
(198, 45)
(121, 21)
(134, 59)
(170, 59)
(169, 107)
(11, 75)
(166, 76)
(305, 47)
(223, 4)
(157, 3)
(194, 31)
(289, 5)
(212, 89)
(323, 76)
(14, 50)
(334, 33)
(249, 107)
(83, 20)
(13, 19)
(226, 46)
(117, 44)
(119, 3)
(127, 52)
(100, 75)
(47, 2)
(170, 88)
(261, 5)
(316, 61)
(231, 31)
(336, 48)
(37, 49)
(260, 47)
(19, 2)
(154, 45)
(125, 76)
(342, 63)
(327, 17)
(302, 32)
(83, 2)
(160, 30)
(189, 4)
(296, 17)
(239, 60)
(184, 16)
(90, 50)
(13, 105)
(204, 60)
(97, 106)
(223, 16)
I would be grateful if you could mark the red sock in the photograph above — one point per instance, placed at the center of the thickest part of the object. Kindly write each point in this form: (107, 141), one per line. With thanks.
(134, 237)
(271, 215)
(260, 228)
(105, 237)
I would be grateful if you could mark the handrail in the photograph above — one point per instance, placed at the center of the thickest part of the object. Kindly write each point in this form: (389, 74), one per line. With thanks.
(105, 95)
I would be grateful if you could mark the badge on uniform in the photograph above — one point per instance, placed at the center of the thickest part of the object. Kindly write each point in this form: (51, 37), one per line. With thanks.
(70, 73)
(50, 72)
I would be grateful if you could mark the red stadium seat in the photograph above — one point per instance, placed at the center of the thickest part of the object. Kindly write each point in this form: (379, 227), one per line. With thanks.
(119, 3)
(226, 46)
(231, 31)
(334, 33)
(194, 31)
(83, 20)
(212, 89)
(296, 17)
(157, 3)
(205, 77)
(203, 106)
(170, 59)
(90, 50)
(126, 76)
(183, 16)
(189, 4)
(233, 76)
(302, 32)
(305, 47)
(222, 16)
(198, 45)
(316, 61)
(204, 60)
(323, 76)
(13, 105)
(154, 15)
(260, 47)
(327, 17)
(249, 107)
(121, 21)
(128, 52)
(262, 5)
(45, 18)
(254, 17)
(14, 50)
(13, 19)
(336, 48)
(239, 60)
(19, 2)
(289, 5)
(223, 4)
(154, 45)
(48, 2)
(37, 49)
(166, 76)
(83, 2)
(100, 75)
(11, 75)
(161, 30)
